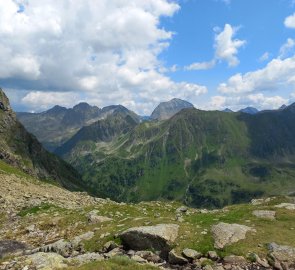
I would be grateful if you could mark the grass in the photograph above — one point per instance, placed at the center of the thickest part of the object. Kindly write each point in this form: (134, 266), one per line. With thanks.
(8, 169)
(36, 209)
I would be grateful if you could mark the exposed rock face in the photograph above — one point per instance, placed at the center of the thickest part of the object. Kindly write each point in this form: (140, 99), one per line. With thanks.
(166, 110)
(265, 214)
(226, 234)
(283, 256)
(159, 237)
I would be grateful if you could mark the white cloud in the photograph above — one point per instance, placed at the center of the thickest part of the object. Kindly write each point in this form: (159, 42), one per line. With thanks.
(287, 48)
(201, 65)
(103, 51)
(227, 47)
(264, 57)
(277, 75)
(44, 100)
(258, 100)
(290, 21)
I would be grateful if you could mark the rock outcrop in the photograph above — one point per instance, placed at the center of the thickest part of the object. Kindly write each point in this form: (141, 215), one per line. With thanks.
(159, 237)
(226, 234)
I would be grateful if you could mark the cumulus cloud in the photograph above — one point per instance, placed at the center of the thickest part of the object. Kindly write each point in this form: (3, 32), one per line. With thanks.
(226, 49)
(258, 100)
(99, 50)
(277, 75)
(290, 21)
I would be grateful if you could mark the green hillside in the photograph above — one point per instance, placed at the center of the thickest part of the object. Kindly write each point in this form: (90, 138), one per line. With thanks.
(203, 158)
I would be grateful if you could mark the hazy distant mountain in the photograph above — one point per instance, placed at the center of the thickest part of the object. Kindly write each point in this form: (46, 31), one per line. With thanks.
(249, 110)
(22, 150)
(227, 110)
(166, 110)
(57, 125)
(284, 106)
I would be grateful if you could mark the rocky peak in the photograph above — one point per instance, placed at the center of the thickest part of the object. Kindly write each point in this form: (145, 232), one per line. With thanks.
(166, 110)
(83, 106)
(4, 102)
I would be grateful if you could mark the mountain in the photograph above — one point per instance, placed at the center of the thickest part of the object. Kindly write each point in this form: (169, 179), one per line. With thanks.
(202, 158)
(55, 126)
(22, 150)
(166, 110)
(227, 110)
(103, 131)
(249, 110)
(283, 107)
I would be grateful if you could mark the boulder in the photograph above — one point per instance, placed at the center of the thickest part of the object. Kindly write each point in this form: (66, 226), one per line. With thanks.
(265, 214)
(191, 254)
(47, 261)
(282, 255)
(94, 218)
(85, 258)
(159, 237)
(226, 234)
(213, 255)
(173, 258)
(182, 209)
(62, 247)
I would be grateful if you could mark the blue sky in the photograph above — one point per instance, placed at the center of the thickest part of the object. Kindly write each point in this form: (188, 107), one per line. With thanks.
(213, 53)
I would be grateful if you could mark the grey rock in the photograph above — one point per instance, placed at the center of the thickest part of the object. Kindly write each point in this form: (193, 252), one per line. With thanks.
(182, 209)
(61, 247)
(109, 246)
(93, 217)
(47, 261)
(113, 253)
(226, 234)
(165, 110)
(213, 255)
(191, 254)
(173, 258)
(86, 258)
(265, 214)
(158, 237)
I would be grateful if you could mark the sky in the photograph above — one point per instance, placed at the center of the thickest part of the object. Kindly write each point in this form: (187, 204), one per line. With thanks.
(215, 54)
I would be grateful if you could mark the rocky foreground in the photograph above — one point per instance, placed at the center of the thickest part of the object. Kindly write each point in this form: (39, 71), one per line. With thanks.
(45, 227)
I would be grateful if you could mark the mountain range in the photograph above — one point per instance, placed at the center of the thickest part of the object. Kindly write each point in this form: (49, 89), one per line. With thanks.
(203, 158)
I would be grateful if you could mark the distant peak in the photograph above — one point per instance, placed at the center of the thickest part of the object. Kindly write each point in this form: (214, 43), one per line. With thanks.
(56, 109)
(227, 110)
(249, 110)
(166, 110)
(82, 106)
